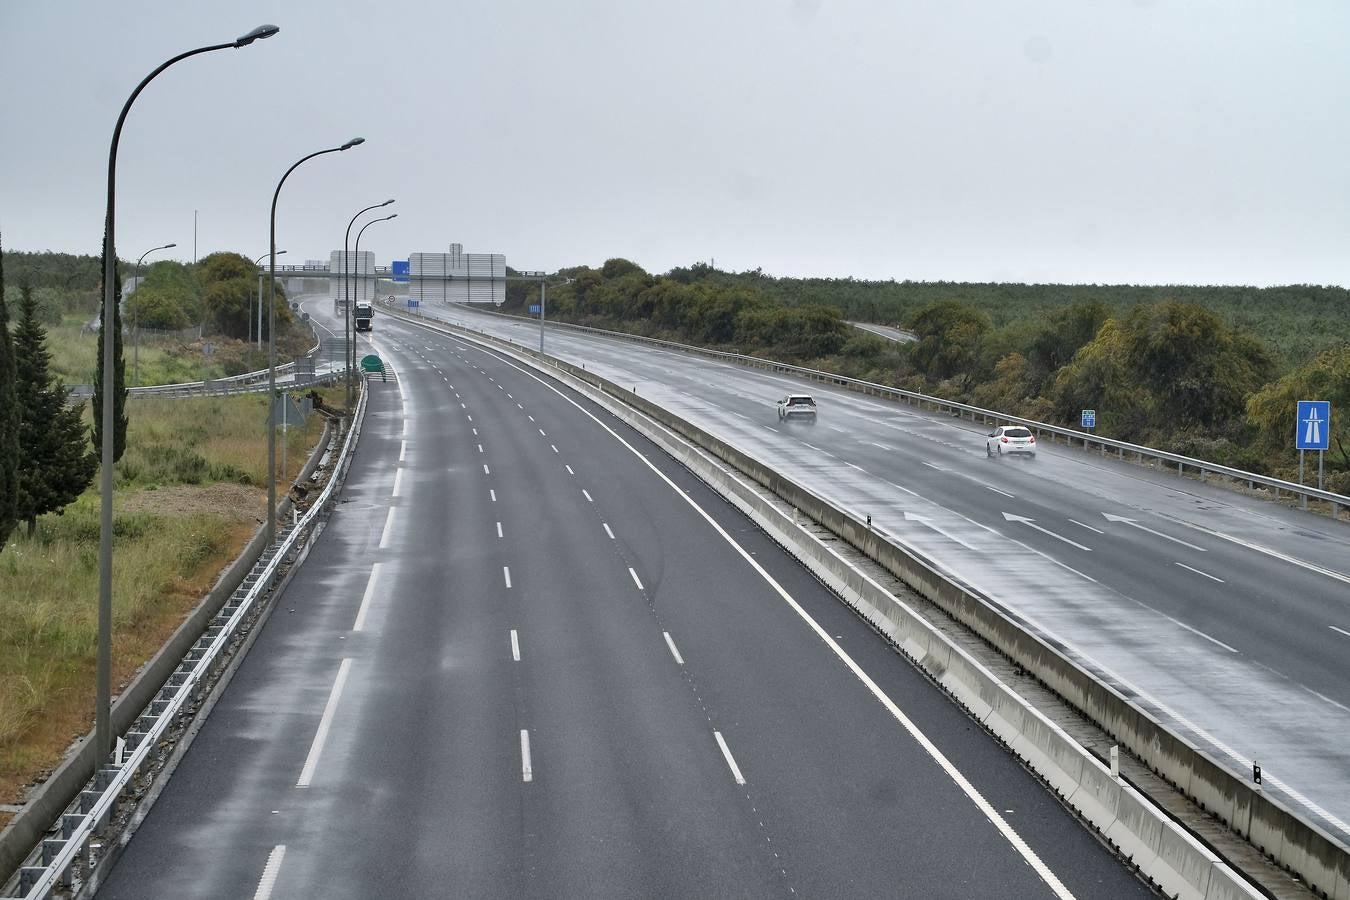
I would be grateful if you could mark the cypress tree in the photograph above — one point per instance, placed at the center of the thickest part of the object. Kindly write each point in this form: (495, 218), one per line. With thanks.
(119, 371)
(9, 423)
(55, 465)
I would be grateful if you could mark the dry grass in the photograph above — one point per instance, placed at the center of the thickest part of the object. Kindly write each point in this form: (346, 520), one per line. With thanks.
(190, 493)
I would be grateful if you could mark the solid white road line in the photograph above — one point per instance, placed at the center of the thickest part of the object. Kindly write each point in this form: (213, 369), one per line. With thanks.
(499, 529)
(402, 450)
(388, 525)
(971, 792)
(398, 479)
(587, 495)
(312, 761)
(726, 752)
(611, 537)
(515, 645)
(1339, 630)
(1198, 572)
(526, 767)
(270, 873)
(375, 571)
(506, 573)
(569, 470)
(636, 580)
(673, 652)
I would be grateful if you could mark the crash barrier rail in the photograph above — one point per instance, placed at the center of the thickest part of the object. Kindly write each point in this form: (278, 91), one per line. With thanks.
(1070, 436)
(97, 803)
(1171, 856)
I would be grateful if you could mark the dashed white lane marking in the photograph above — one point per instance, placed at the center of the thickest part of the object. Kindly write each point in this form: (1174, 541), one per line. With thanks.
(499, 529)
(480, 448)
(881, 446)
(493, 494)
(475, 432)
(486, 470)
(541, 432)
(1088, 527)
(585, 494)
(519, 406)
(326, 722)
(402, 450)
(731, 762)
(506, 574)
(470, 418)
(526, 767)
(611, 537)
(515, 645)
(636, 580)
(673, 651)
(462, 406)
(530, 417)
(388, 525)
(1339, 630)
(555, 447)
(374, 579)
(270, 873)
(569, 470)
(1198, 572)
(398, 479)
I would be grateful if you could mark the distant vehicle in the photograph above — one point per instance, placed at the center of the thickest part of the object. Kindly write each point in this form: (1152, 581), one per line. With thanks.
(1010, 439)
(364, 311)
(797, 406)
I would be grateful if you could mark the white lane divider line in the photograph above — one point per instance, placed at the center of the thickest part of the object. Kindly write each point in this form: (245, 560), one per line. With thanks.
(526, 767)
(636, 580)
(506, 573)
(480, 448)
(462, 406)
(541, 431)
(515, 645)
(555, 447)
(726, 752)
(398, 480)
(402, 450)
(499, 529)
(388, 526)
(1088, 527)
(270, 873)
(326, 722)
(519, 406)
(587, 495)
(569, 470)
(493, 494)
(530, 417)
(475, 432)
(374, 579)
(673, 652)
(486, 470)
(1339, 630)
(611, 537)
(470, 418)
(1198, 572)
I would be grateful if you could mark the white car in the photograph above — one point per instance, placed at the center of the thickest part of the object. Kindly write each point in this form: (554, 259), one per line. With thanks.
(797, 406)
(1010, 439)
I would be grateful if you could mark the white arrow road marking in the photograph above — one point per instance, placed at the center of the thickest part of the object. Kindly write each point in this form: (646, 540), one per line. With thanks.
(1132, 523)
(1032, 524)
(922, 520)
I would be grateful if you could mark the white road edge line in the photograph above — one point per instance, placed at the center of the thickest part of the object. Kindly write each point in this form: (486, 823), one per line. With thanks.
(636, 580)
(270, 873)
(312, 761)
(526, 767)
(1009, 834)
(388, 526)
(515, 645)
(726, 752)
(673, 652)
(374, 579)
(1198, 572)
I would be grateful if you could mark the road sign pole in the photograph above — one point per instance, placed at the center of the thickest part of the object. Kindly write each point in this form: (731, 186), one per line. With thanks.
(1300, 477)
(1321, 454)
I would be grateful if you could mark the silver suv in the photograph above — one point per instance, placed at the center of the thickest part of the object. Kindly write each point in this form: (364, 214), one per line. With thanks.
(797, 406)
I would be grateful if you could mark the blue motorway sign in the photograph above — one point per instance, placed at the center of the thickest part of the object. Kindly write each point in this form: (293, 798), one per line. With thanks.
(1312, 430)
(399, 269)
(1089, 418)
(534, 309)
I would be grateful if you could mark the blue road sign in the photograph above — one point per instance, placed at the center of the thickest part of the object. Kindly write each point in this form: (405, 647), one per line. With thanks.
(413, 304)
(400, 270)
(534, 309)
(1312, 430)
(1089, 418)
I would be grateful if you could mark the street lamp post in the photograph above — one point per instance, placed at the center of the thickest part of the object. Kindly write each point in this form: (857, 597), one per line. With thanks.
(103, 689)
(257, 264)
(271, 525)
(136, 319)
(356, 251)
(349, 327)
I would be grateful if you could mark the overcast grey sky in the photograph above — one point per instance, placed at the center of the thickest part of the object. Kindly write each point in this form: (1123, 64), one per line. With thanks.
(1146, 141)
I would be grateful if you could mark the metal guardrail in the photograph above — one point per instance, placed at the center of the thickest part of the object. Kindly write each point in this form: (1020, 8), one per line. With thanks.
(97, 803)
(976, 413)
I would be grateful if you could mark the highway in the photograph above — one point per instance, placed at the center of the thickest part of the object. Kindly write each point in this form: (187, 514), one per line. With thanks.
(531, 656)
(1224, 614)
